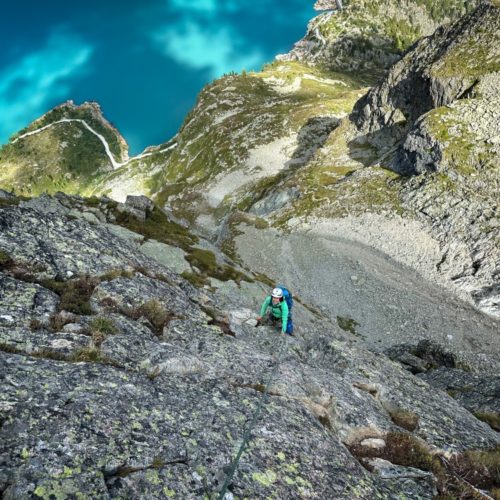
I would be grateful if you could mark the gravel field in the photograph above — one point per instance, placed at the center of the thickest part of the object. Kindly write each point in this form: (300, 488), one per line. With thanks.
(390, 302)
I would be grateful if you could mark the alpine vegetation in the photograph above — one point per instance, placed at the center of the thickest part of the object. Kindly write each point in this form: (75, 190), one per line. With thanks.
(296, 296)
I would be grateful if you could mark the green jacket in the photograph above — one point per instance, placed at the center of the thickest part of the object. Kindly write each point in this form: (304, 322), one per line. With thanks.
(279, 311)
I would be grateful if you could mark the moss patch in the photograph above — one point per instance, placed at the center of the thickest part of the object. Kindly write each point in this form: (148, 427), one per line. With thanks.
(471, 58)
(491, 418)
(205, 262)
(75, 294)
(266, 478)
(405, 419)
(347, 324)
(157, 226)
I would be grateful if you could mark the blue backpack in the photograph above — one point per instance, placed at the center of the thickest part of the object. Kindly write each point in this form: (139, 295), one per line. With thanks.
(287, 296)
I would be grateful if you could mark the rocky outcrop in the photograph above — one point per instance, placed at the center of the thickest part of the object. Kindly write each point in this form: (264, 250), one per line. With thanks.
(458, 139)
(369, 36)
(437, 71)
(438, 107)
(141, 385)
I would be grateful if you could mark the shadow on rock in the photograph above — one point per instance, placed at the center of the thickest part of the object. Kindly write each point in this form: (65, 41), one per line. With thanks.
(370, 147)
(311, 137)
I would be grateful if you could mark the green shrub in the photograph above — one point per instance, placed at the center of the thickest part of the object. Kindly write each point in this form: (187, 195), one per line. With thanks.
(101, 328)
(155, 312)
(5, 259)
(93, 201)
(481, 468)
(75, 294)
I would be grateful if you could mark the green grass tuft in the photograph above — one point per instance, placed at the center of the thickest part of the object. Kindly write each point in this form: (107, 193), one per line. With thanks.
(101, 328)
(154, 311)
(5, 259)
(75, 294)
(491, 418)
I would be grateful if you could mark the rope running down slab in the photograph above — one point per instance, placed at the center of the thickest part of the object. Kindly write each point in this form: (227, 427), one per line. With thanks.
(247, 435)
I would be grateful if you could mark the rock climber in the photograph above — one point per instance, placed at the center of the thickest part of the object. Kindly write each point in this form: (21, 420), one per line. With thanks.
(280, 312)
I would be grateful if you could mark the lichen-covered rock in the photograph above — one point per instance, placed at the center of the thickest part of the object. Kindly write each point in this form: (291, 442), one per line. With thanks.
(142, 203)
(479, 393)
(420, 484)
(53, 246)
(156, 399)
(21, 302)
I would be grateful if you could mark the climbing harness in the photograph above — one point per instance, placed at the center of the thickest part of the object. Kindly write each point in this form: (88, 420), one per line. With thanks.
(247, 435)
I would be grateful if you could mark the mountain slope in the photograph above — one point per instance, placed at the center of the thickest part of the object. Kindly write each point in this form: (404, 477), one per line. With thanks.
(124, 380)
(368, 36)
(440, 107)
(66, 149)
(277, 145)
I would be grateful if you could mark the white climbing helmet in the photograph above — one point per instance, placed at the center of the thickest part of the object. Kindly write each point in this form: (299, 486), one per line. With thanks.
(277, 292)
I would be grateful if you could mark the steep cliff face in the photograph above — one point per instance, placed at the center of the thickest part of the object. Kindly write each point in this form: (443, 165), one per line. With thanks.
(439, 70)
(439, 107)
(368, 36)
(65, 149)
(276, 148)
(122, 379)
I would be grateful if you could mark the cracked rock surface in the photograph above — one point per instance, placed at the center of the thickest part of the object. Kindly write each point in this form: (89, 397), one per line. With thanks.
(126, 401)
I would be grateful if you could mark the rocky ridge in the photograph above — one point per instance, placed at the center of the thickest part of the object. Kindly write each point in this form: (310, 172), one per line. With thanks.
(439, 107)
(367, 37)
(142, 384)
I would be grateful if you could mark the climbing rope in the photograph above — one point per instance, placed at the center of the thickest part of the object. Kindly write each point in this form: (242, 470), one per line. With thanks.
(247, 435)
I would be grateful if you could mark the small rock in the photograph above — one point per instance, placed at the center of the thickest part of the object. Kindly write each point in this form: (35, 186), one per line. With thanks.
(4, 195)
(124, 208)
(72, 328)
(141, 203)
(61, 344)
(374, 443)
